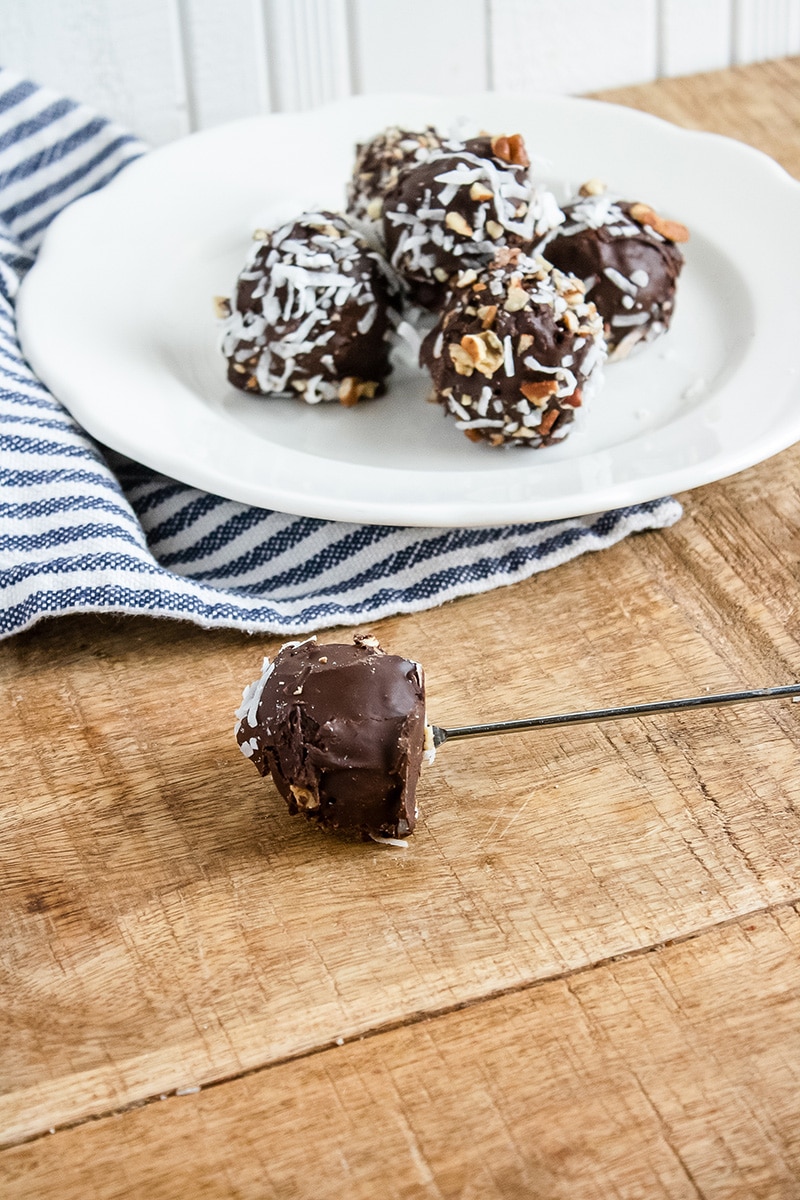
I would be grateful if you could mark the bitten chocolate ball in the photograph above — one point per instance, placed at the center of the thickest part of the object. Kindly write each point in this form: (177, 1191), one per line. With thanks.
(627, 256)
(342, 731)
(378, 165)
(450, 214)
(312, 314)
(516, 353)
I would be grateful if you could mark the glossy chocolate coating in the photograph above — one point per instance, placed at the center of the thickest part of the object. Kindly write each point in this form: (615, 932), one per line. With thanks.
(311, 314)
(451, 213)
(341, 729)
(379, 163)
(513, 353)
(630, 271)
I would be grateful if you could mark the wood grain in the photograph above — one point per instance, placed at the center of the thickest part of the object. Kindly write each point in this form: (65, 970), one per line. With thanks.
(167, 925)
(757, 104)
(658, 1077)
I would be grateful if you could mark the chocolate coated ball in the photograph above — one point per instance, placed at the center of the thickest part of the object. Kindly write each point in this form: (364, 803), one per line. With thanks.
(629, 261)
(312, 314)
(516, 353)
(342, 731)
(451, 214)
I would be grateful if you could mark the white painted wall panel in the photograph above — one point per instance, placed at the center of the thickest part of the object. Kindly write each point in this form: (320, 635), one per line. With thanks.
(309, 52)
(225, 51)
(123, 58)
(694, 36)
(765, 29)
(393, 55)
(550, 45)
(161, 67)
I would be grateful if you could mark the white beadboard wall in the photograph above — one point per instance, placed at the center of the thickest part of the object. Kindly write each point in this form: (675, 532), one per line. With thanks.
(166, 67)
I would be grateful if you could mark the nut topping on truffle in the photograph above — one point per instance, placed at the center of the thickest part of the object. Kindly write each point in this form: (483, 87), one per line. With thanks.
(449, 215)
(627, 257)
(514, 355)
(379, 163)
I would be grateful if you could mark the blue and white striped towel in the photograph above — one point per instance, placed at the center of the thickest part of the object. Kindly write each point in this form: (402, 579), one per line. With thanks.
(84, 530)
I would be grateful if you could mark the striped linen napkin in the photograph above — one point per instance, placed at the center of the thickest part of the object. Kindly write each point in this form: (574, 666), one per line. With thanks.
(84, 530)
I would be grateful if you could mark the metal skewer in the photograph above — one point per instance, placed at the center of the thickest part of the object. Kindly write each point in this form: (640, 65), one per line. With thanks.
(441, 735)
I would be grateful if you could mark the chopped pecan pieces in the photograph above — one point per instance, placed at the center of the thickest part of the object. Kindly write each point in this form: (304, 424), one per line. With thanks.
(517, 298)
(673, 231)
(487, 314)
(485, 351)
(304, 797)
(462, 361)
(505, 256)
(480, 192)
(511, 150)
(352, 389)
(539, 392)
(547, 422)
(592, 187)
(456, 222)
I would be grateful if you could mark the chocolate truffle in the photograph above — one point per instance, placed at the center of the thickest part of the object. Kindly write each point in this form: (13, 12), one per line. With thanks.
(312, 314)
(378, 165)
(342, 731)
(448, 216)
(516, 352)
(627, 257)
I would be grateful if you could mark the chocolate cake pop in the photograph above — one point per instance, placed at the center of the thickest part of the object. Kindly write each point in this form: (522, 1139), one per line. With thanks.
(312, 314)
(447, 217)
(342, 731)
(378, 165)
(516, 353)
(627, 256)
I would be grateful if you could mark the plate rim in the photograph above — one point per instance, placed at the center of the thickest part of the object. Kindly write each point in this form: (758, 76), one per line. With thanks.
(439, 513)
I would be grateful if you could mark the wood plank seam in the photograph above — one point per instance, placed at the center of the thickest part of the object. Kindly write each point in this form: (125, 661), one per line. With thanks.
(423, 1017)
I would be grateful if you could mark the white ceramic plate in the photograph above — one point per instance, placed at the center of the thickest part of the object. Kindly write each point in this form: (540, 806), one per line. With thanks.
(116, 317)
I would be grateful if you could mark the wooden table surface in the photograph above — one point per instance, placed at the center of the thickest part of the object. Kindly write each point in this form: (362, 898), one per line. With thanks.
(581, 979)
